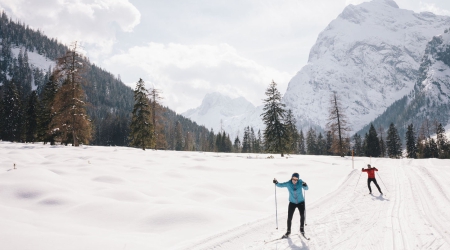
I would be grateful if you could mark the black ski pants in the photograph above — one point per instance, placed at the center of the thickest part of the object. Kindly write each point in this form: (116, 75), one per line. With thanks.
(374, 181)
(291, 210)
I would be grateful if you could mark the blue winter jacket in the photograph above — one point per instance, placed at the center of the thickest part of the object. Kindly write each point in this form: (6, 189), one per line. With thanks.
(295, 191)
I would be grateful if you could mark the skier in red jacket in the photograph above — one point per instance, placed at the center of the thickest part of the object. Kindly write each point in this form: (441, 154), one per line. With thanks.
(371, 174)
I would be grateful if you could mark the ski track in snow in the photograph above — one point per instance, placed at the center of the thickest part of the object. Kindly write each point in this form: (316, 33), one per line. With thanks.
(413, 214)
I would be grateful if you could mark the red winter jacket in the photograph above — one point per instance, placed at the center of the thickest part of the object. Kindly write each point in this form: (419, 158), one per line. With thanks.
(370, 172)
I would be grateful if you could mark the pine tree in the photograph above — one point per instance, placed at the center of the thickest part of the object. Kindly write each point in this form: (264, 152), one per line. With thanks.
(275, 134)
(237, 145)
(141, 127)
(31, 117)
(393, 142)
(179, 141)
(311, 142)
(301, 143)
(337, 124)
(411, 148)
(357, 145)
(372, 143)
(442, 142)
(46, 112)
(259, 143)
(246, 145)
(321, 145)
(292, 133)
(12, 112)
(383, 146)
(434, 151)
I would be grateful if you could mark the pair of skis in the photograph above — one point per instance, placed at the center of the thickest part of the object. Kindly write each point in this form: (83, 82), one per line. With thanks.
(287, 236)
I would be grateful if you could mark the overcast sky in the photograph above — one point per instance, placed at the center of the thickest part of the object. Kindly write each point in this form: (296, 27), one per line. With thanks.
(191, 48)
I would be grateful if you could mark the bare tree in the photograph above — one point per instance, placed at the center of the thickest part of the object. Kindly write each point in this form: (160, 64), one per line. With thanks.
(158, 129)
(70, 117)
(338, 126)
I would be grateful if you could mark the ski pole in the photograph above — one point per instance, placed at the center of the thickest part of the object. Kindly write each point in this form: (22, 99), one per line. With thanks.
(358, 181)
(383, 182)
(276, 208)
(304, 200)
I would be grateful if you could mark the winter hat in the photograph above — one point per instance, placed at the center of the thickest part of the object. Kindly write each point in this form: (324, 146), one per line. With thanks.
(295, 175)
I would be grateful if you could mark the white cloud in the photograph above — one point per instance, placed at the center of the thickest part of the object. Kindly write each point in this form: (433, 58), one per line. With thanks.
(431, 7)
(185, 73)
(91, 22)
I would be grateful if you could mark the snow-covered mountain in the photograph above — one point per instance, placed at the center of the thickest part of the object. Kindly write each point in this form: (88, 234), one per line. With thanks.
(221, 112)
(430, 98)
(370, 55)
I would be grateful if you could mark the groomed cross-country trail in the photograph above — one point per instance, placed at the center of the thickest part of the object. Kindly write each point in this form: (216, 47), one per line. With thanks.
(413, 213)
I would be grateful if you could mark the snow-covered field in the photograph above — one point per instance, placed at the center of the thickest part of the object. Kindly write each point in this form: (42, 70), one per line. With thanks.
(124, 198)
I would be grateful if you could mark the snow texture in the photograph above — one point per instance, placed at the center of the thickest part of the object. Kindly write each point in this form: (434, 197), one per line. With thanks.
(124, 198)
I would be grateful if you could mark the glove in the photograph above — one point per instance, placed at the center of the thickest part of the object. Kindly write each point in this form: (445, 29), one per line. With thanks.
(275, 181)
(362, 169)
(304, 184)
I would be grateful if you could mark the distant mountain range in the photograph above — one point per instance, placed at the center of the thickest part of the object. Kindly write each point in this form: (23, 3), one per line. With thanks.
(373, 55)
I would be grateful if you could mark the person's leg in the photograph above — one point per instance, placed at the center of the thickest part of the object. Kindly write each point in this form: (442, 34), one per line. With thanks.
(376, 184)
(368, 184)
(291, 210)
(301, 209)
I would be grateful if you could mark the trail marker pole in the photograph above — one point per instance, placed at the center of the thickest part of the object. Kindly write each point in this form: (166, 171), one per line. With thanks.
(276, 207)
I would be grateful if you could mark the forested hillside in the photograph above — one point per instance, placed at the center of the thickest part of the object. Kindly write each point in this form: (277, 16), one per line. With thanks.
(109, 101)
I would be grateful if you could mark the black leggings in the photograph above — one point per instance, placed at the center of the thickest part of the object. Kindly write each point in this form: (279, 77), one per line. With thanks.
(374, 181)
(291, 210)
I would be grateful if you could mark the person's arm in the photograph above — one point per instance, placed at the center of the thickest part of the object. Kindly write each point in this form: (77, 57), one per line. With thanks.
(376, 169)
(364, 170)
(283, 184)
(305, 186)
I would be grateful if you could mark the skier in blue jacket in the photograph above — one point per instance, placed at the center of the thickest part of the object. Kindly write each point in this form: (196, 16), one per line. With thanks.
(295, 187)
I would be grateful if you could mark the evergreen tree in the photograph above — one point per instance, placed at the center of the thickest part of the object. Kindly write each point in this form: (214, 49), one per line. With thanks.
(237, 145)
(141, 127)
(393, 142)
(383, 146)
(12, 112)
(321, 145)
(246, 144)
(31, 117)
(329, 140)
(442, 142)
(301, 143)
(411, 149)
(434, 151)
(179, 137)
(372, 143)
(292, 133)
(357, 145)
(311, 142)
(45, 132)
(275, 134)
(259, 143)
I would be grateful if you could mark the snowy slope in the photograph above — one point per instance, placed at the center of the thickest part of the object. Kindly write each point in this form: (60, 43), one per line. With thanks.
(430, 98)
(434, 81)
(370, 55)
(221, 112)
(123, 198)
